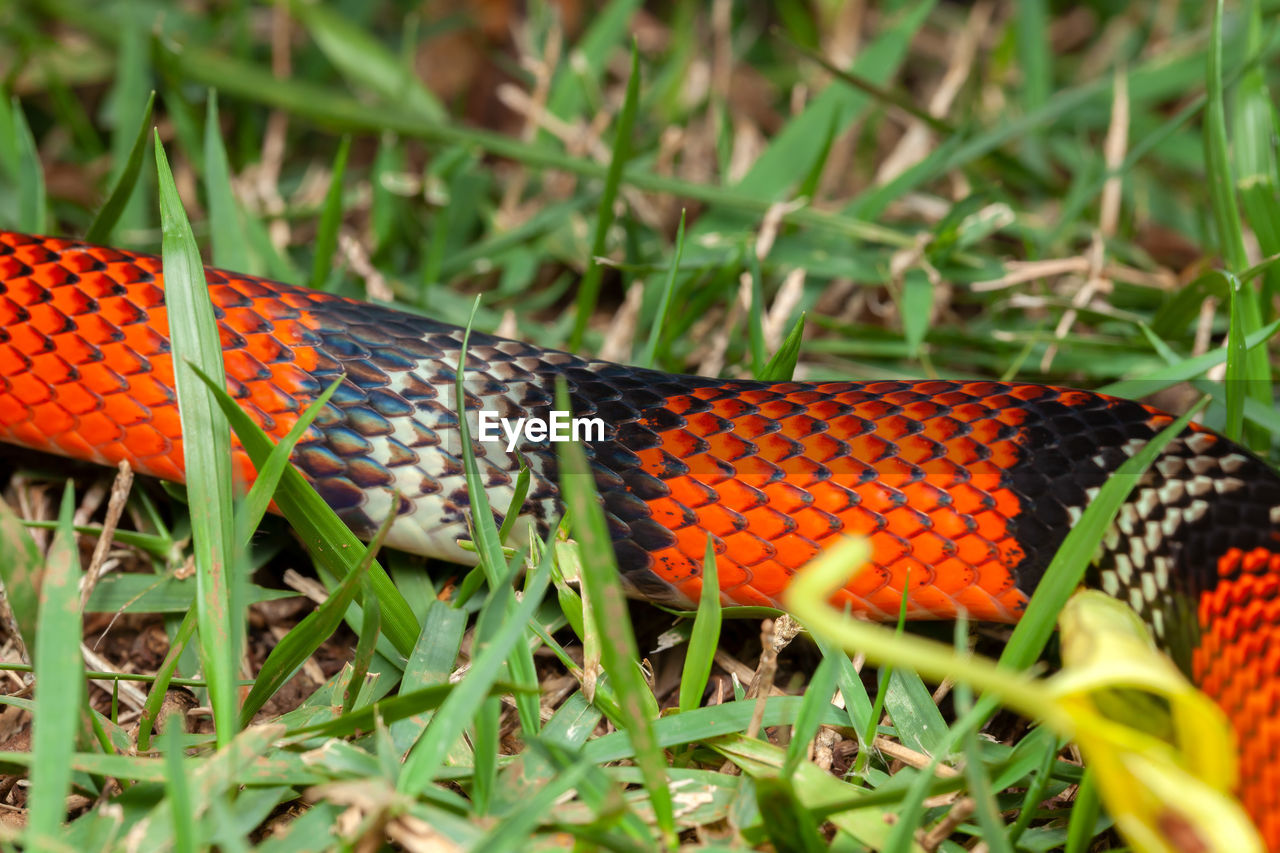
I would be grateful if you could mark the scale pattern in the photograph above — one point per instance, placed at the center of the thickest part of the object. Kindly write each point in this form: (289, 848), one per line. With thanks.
(965, 489)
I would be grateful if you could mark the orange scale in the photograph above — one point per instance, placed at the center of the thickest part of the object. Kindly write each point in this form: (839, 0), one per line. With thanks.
(731, 575)
(953, 575)
(832, 497)
(784, 497)
(996, 579)
(850, 469)
(144, 442)
(948, 523)
(687, 491)
(72, 301)
(30, 390)
(747, 549)
(692, 543)
(52, 368)
(931, 603)
(116, 311)
(12, 411)
(815, 524)
(970, 500)
(920, 449)
(874, 496)
(987, 431)
(930, 548)
(99, 429)
(794, 551)
(871, 449)
(244, 367)
(124, 410)
(652, 460)
(822, 447)
(730, 408)
(768, 523)
(151, 392)
(922, 410)
(721, 520)
(747, 595)
(753, 425)
(28, 433)
(682, 444)
(48, 320)
(905, 521)
(28, 341)
(888, 548)
(73, 444)
(975, 550)
(756, 470)
(803, 471)
(923, 496)
(76, 398)
(164, 467)
(267, 349)
(769, 578)
(778, 446)
(944, 429)
(52, 419)
(145, 340)
(166, 420)
(730, 448)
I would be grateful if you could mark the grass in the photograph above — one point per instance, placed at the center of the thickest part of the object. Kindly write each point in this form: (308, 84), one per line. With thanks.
(986, 191)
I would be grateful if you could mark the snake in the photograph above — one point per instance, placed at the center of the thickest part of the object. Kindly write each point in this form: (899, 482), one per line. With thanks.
(964, 489)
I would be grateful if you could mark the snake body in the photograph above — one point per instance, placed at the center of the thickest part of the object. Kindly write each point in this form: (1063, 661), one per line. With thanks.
(965, 489)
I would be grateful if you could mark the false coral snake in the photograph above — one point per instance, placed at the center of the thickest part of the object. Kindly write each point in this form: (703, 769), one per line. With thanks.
(965, 489)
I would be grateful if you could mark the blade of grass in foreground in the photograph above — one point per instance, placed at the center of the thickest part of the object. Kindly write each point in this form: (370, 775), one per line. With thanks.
(330, 542)
(488, 541)
(304, 638)
(206, 453)
(620, 655)
(59, 684)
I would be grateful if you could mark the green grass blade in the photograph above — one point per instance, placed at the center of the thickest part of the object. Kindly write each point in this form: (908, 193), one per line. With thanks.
(330, 219)
(782, 366)
(589, 288)
(817, 696)
(620, 655)
(365, 644)
(330, 542)
(33, 206)
(1237, 366)
(304, 638)
(364, 60)
(206, 452)
(59, 688)
(164, 676)
(705, 636)
(255, 504)
(425, 758)
(655, 331)
(1217, 160)
(122, 190)
(488, 541)
(20, 567)
(185, 823)
(230, 245)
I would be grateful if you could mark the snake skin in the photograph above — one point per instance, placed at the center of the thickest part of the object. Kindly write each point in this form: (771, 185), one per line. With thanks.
(965, 489)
